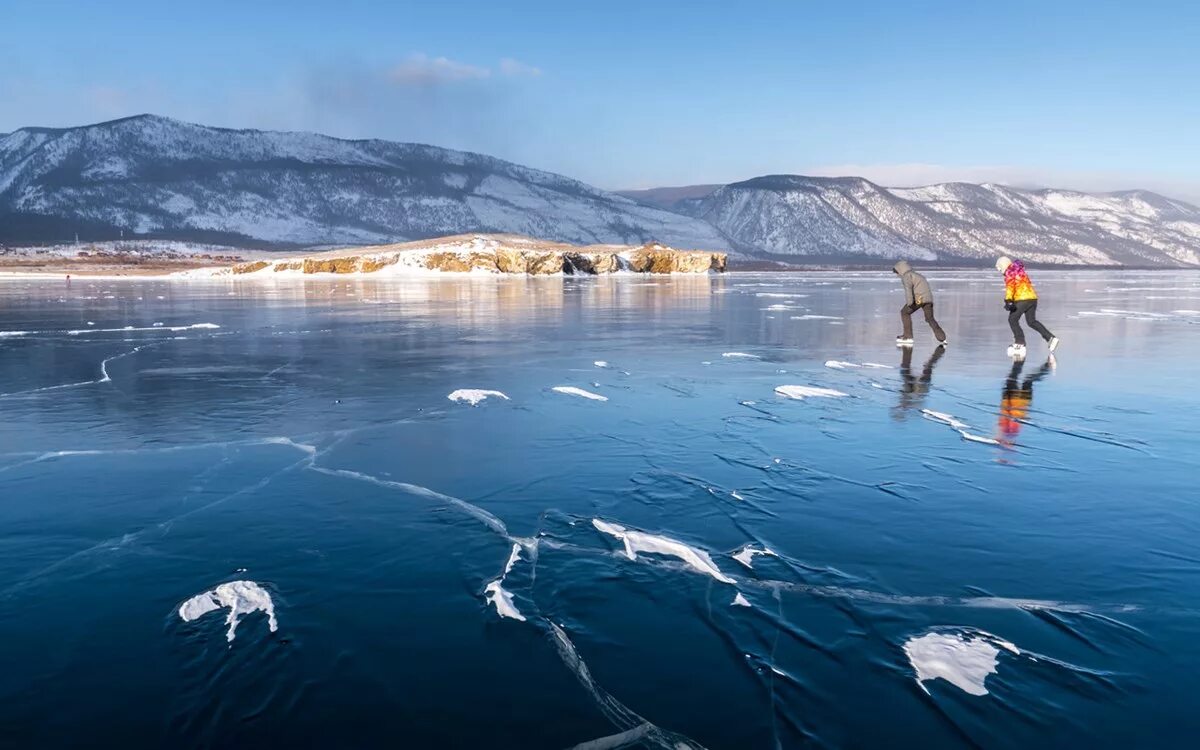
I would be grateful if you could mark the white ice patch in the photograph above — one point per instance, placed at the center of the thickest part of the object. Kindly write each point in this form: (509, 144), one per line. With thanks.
(640, 541)
(739, 601)
(502, 600)
(978, 438)
(600, 363)
(944, 418)
(571, 390)
(740, 355)
(474, 395)
(12, 334)
(835, 364)
(801, 392)
(747, 554)
(240, 597)
(816, 317)
(495, 593)
(155, 327)
(962, 659)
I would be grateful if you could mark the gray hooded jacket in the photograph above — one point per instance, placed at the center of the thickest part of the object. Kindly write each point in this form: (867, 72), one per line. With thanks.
(916, 288)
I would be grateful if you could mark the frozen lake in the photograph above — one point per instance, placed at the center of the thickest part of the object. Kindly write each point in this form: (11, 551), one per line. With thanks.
(634, 538)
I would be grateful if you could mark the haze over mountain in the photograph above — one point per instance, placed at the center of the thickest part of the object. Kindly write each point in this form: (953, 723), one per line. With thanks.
(157, 177)
(149, 175)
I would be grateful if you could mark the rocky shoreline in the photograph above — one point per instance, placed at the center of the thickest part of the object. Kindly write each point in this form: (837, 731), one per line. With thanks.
(499, 254)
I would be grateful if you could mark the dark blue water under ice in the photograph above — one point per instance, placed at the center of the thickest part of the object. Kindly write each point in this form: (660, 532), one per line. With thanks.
(1035, 540)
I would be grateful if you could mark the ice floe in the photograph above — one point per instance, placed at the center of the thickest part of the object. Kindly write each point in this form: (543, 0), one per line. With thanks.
(640, 541)
(571, 390)
(239, 597)
(474, 395)
(964, 659)
(801, 392)
(747, 554)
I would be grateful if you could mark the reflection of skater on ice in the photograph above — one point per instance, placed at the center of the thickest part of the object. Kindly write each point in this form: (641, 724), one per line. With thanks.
(1016, 398)
(917, 296)
(914, 388)
(1020, 299)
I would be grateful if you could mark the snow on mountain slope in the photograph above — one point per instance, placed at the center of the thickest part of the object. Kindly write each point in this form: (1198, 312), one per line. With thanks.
(152, 175)
(842, 217)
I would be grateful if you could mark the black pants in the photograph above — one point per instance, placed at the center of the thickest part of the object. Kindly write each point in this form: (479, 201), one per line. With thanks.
(1028, 308)
(906, 319)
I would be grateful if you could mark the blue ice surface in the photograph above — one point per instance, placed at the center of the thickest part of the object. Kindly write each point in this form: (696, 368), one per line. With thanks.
(307, 443)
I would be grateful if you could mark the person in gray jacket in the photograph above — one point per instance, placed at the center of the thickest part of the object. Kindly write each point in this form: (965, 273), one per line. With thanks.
(917, 296)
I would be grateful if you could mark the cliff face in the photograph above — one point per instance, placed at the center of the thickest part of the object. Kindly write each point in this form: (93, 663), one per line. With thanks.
(503, 254)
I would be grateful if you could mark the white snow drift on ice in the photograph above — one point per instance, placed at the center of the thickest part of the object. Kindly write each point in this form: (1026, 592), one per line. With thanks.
(239, 597)
(963, 659)
(640, 541)
(474, 395)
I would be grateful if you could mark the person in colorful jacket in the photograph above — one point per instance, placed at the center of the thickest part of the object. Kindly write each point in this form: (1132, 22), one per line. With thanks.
(1020, 299)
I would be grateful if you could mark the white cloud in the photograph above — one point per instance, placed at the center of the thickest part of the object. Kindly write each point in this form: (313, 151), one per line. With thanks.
(511, 67)
(422, 70)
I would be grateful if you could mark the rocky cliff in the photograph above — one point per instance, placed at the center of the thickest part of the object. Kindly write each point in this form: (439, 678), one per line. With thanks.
(499, 254)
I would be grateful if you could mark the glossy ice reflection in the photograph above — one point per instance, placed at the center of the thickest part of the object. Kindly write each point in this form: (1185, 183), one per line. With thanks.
(461, 548)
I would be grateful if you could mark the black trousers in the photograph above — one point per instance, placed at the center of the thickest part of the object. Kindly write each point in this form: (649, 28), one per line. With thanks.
(906, 319)
(1028, 308)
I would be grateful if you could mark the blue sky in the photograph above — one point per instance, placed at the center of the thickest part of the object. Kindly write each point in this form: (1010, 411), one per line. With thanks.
(1092, 95)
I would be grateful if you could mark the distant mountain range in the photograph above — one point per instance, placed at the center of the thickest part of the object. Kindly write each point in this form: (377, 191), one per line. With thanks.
(159, 177)
(156, 177)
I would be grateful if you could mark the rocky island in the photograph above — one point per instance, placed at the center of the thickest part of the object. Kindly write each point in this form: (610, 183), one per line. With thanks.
(490, 253)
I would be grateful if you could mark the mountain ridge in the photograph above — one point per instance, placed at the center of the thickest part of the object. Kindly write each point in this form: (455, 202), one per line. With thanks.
(153, 176)
(149, 176)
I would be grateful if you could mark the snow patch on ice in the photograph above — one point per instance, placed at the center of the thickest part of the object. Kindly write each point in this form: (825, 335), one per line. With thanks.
(963, 659)
(640, 541)
(747, 554)
(600, 363)
(571, 390)
(740, 355)
(739, 601)
(239, 597)
(801, 392)
(474, 395)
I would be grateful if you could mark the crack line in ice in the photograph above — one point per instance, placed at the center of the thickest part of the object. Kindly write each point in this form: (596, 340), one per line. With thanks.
(614, 710)
(962, 428)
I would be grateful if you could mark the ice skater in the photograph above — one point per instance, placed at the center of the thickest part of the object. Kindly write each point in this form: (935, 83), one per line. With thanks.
(1021, 299)
(917, 296)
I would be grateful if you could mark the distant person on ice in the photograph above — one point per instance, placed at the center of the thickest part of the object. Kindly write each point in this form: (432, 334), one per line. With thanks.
(917, 296)
(1020, 299)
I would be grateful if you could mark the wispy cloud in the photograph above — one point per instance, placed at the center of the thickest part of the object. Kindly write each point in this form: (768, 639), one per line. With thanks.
(511, 67)
(421, 70)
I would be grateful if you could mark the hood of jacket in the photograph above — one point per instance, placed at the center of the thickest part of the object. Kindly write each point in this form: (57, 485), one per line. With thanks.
(901, 267)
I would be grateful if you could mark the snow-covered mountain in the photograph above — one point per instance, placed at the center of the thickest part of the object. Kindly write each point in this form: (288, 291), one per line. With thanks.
(840, 217)
(152, 176)
(155, 176)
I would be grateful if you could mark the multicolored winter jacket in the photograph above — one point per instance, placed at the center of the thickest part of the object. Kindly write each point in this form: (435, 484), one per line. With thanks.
(1017, 286)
